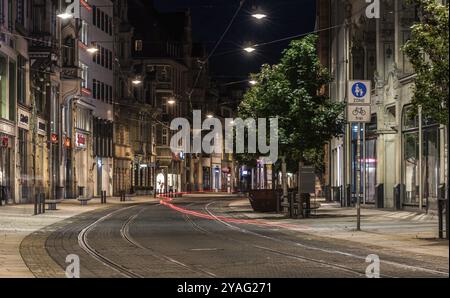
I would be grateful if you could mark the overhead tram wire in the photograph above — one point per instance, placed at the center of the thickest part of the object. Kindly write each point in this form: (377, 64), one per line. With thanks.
(202, 63)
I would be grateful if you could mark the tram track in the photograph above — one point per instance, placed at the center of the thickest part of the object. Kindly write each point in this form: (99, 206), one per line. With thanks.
(84, 244)
(125, 233)
(309, 247)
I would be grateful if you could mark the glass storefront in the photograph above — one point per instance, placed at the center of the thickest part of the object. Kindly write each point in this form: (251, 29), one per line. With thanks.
(411, 163)
(368, 158)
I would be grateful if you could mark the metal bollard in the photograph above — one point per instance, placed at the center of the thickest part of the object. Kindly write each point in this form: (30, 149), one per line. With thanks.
(39, 204)
(36, 204)
(43, 202)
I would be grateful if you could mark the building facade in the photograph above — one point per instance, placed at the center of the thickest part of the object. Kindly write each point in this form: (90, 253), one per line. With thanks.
(404, 159)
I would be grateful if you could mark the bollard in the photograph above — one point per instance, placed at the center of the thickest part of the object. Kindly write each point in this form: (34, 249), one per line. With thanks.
(43, 202)
(36, 204)
(39, 204)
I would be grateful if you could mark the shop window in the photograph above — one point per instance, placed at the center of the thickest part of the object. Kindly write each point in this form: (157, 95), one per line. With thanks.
(430, 157)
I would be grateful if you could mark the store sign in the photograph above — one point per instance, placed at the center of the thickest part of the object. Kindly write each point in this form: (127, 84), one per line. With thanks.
(80, 140)
(42, 127)
(24, 119)
(358, 105)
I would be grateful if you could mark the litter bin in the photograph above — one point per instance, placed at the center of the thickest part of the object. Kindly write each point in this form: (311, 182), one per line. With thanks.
(379, 195)
(398, 190)
(80, 191)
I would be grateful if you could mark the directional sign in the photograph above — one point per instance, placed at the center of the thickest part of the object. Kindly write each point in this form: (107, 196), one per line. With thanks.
(358, 106)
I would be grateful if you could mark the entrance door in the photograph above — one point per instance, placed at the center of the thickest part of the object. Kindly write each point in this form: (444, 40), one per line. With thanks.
(5, 173)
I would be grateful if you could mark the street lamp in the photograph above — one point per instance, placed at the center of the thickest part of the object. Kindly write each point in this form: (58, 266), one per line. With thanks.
(259, 16)
(249, 49)
(92, 49)
(64, 15)
(171, 101)
(209, 116)
(136, 81)
(253, 82)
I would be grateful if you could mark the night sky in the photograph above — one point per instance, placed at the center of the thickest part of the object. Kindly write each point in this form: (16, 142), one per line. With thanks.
(210, 18)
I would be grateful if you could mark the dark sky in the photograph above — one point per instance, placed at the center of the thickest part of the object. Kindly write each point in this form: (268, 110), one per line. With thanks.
(210, 18)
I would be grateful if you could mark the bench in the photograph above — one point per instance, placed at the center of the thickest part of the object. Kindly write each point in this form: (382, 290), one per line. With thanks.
(52, 204)
(84, 201)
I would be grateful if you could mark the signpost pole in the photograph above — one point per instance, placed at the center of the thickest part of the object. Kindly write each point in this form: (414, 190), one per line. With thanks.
(359, 112)
(358, 178)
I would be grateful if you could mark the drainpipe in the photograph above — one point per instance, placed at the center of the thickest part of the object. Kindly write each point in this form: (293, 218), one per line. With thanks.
(420, 160)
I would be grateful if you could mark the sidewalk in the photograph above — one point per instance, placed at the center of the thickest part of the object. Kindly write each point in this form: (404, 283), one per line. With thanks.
(400, 230)
(18, 221)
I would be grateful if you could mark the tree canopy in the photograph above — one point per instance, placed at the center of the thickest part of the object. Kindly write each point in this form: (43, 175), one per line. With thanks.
(293, 91)
(428, 51)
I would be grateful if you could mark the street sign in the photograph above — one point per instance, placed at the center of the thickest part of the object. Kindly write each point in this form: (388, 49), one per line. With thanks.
(359, 92)
(358, 113)
(358, 105)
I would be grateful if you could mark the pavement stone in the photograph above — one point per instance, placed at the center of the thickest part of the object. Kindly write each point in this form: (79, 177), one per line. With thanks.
(18, 221)
(401, 230)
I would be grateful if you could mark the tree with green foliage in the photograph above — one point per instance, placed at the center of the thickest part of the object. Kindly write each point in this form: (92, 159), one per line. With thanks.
(293, 91)
(428, 51)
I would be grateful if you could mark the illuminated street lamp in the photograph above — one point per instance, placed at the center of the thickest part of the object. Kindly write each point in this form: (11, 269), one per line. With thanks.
(209, 116)
(253, 82)
(259, 16)
(64, 15)
(92, 49)
(136, 81)
(249, 49)
(171, 101)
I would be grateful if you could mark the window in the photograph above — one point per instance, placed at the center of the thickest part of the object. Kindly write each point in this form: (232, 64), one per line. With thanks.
(164, 136)
(102, 96)
(2, 16)
(21, 79)
(110, 61)
(102, 57)
(84, 32)
(38, 16)
(20, 12)
(94, 15)
(84, 75)
(102, 20)
(94, 88)
(110, 26)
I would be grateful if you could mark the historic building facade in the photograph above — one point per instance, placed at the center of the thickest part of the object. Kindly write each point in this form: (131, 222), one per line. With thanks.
(404, 159)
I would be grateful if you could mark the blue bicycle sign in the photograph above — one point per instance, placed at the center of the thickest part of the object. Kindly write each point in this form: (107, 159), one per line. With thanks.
(359, 90)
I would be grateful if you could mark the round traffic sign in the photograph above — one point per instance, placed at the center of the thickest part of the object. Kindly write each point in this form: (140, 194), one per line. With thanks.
(359, 90)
